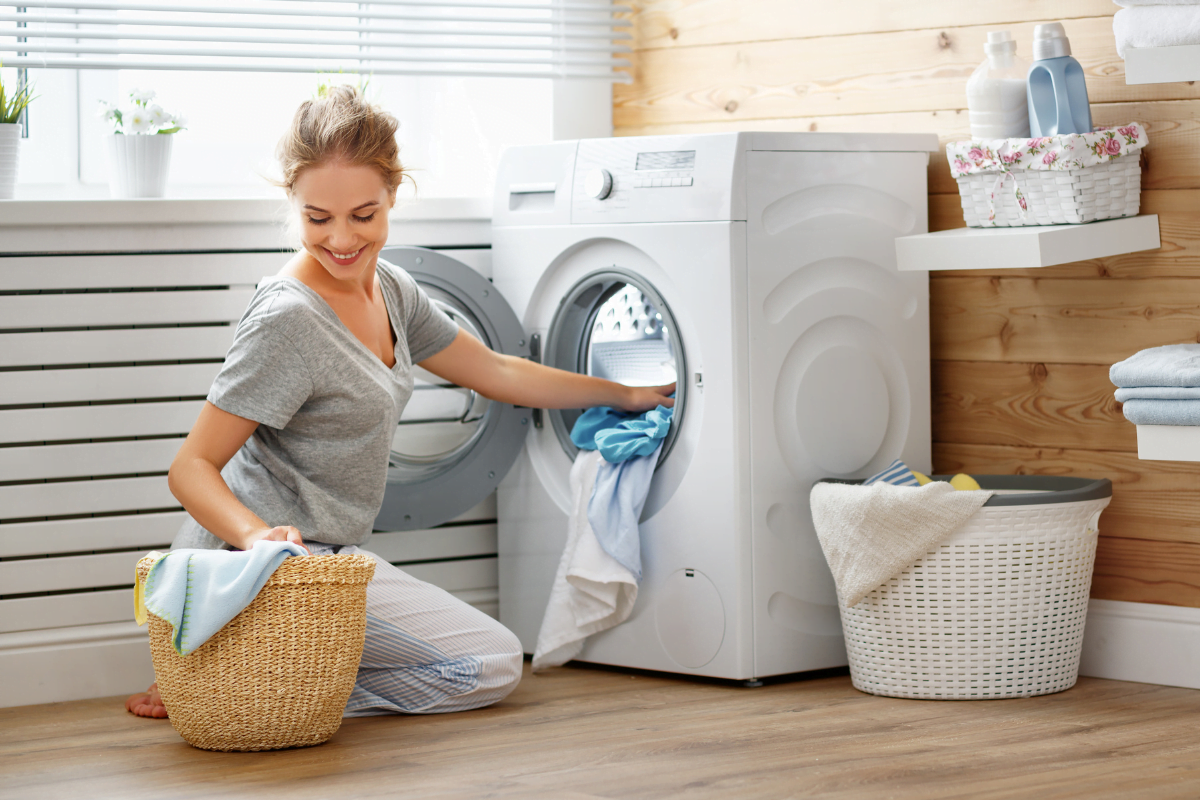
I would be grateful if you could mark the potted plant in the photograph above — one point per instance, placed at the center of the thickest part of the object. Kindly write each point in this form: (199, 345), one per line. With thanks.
(11, 106)
(139, 150)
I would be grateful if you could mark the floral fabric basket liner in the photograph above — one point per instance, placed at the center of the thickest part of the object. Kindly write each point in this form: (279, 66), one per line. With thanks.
(1008, 157)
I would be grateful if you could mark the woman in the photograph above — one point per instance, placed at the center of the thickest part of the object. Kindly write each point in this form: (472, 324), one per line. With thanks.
(292, 443)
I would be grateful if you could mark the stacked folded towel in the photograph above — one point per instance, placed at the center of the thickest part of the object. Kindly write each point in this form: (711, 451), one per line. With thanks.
(1160, 386)
(1156, 23)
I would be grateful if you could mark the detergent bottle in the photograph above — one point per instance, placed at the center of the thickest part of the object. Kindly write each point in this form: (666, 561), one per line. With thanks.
(1058, 101)
(996, 98)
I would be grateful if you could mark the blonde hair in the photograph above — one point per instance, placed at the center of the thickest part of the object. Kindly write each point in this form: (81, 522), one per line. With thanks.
(340, 125)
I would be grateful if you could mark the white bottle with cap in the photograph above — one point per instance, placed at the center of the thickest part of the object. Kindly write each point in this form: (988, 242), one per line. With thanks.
(996, 98)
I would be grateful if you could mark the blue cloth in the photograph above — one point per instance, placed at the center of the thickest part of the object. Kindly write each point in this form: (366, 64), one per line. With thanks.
(616, 506)
(1158, 393)
(629, 445)
(1169, 365)
(620, 436)
(1162, 412)
(896, 473)
(198, 591)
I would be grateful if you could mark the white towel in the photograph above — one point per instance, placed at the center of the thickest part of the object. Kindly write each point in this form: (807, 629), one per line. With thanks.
(592, 592)
(873, 533)
(1132, 3)
(1156, 26)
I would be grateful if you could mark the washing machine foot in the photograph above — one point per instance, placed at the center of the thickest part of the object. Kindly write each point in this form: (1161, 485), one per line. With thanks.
(751, 684)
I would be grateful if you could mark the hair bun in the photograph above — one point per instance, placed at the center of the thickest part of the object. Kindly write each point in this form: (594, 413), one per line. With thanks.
(340, 125)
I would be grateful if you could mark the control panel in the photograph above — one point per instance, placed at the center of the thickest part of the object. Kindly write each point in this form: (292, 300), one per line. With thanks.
(657, 179)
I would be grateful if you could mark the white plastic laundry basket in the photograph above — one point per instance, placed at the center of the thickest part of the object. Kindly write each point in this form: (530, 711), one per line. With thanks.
(995, 611)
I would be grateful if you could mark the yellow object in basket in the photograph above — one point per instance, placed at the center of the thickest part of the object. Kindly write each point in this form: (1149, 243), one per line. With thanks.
(921, 479)
(964, 482)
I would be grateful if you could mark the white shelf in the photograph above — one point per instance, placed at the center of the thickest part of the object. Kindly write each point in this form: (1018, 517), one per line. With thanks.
(1169, 442)
(1026, 247)
(1162, 64)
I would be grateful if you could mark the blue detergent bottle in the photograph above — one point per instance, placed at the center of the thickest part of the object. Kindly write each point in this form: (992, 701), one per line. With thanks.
(1058, 101)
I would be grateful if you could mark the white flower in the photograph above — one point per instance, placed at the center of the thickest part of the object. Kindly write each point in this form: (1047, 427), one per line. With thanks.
(158, 117)
(106, 112)
(139, 121)
(142, 96)
(180, 121)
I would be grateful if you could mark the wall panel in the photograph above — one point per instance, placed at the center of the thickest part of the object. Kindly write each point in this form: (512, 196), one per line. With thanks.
(920, 70)
(1021, 356)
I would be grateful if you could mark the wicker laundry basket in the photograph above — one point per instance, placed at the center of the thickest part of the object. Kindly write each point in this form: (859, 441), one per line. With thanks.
(997, 610)
(279, 673)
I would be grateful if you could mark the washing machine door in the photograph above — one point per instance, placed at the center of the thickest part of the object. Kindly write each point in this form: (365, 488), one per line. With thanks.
(452, 446)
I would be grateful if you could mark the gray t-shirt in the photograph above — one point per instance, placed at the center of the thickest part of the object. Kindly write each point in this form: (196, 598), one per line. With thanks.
(327, 407)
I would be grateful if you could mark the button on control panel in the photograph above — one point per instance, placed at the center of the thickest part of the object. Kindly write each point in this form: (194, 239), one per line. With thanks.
(663, 178)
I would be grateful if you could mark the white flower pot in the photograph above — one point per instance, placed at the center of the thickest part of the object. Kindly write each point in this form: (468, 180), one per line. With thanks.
(138, 164)
(10, 145)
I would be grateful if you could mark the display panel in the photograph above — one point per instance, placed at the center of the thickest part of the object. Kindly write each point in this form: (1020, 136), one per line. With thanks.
(667, 159)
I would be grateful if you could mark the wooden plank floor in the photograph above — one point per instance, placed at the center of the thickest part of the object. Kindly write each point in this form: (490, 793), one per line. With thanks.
(583, 733)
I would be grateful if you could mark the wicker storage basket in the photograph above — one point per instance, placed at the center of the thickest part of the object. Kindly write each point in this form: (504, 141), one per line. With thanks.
(997, 610)
(1103, 191)
(280, 672)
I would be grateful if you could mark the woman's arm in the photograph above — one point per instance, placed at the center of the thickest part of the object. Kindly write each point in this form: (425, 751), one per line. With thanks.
(195, 480)
(509, 379)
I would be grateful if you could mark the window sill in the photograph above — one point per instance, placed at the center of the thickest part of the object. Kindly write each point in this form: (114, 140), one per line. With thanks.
(212, 224)
(190, 211)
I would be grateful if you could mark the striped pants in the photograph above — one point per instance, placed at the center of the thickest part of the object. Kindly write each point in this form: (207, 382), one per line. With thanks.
(426, 651)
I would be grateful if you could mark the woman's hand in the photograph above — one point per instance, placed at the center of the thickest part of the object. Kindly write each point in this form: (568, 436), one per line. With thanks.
(645, 398)
(281, 533)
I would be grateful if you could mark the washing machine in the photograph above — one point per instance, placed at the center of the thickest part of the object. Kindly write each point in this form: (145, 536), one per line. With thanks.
(756, 270)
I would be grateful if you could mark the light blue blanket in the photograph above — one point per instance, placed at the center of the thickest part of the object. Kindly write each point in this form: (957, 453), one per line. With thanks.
(1169, 365)
(1162, 412)
(616, 506)
(629, 444)
(198, 591)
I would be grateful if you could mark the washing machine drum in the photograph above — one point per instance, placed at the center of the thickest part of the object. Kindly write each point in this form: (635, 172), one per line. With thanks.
(614, 324)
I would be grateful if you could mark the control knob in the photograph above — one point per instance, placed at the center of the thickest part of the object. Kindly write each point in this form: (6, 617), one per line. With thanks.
(598, 183)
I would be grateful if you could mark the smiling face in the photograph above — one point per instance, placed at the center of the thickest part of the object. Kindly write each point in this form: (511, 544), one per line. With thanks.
(343, 212)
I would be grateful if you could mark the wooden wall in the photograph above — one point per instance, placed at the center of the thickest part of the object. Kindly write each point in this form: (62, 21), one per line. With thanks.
(1020, 358)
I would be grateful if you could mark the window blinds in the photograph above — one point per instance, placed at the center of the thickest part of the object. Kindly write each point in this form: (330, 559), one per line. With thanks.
(521, 38)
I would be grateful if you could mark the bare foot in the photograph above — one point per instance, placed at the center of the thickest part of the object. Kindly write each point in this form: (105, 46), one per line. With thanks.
(147, 704)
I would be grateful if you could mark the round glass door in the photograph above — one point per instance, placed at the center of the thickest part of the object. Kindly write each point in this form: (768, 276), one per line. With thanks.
(613, 324)
(452, 446)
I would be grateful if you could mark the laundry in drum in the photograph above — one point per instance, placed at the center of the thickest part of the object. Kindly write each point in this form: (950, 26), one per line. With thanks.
(620, 436)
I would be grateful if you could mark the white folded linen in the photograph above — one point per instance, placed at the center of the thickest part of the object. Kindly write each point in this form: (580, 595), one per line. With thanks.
(1156, 26)
(873, 533)
(592, 592)
(1132, 3)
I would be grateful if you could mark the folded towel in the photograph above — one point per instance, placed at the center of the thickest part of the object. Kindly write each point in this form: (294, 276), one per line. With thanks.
(618, 435)
(616, 506)
(1132, 3)
(1162, 412)
(872, 533)
(198, 591)
(1156, 26)
(1169, 365)
(1158, 393)
(592, 592)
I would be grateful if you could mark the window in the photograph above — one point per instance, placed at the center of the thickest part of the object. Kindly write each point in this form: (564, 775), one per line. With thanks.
(452, 126)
